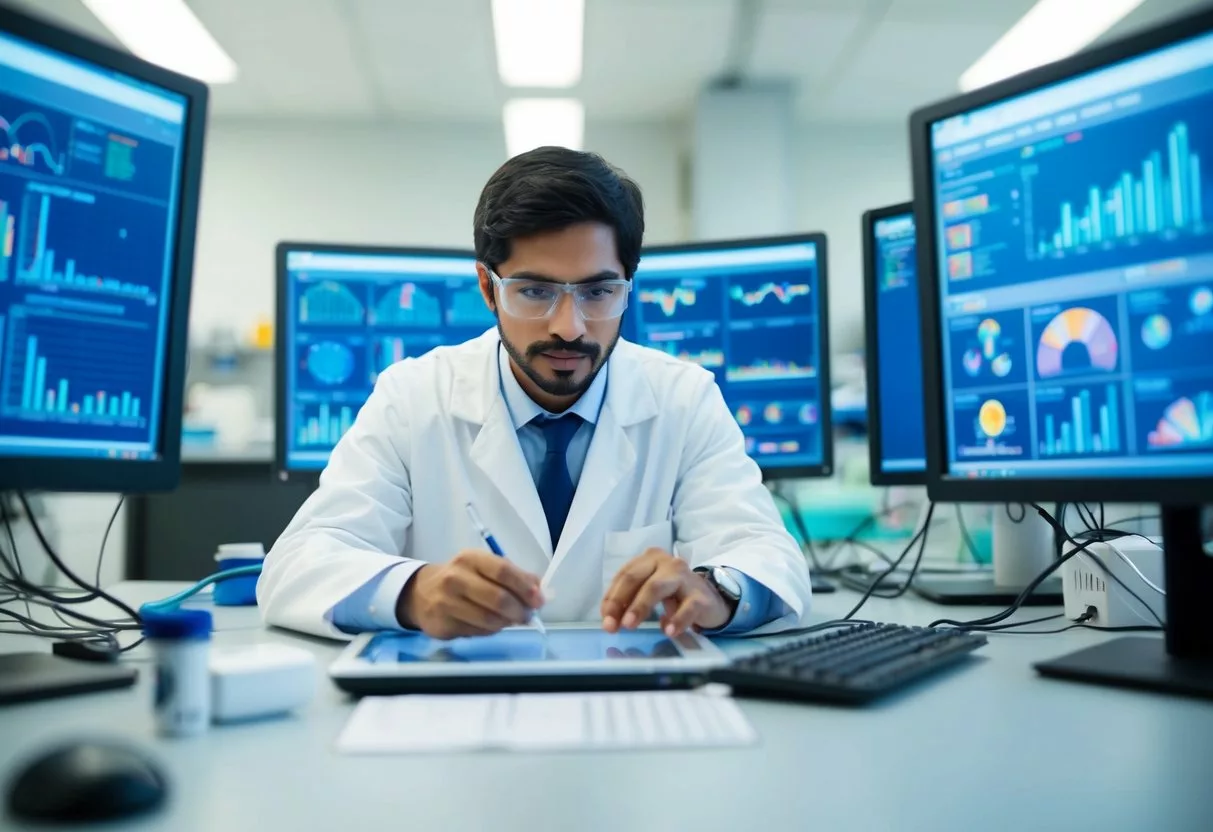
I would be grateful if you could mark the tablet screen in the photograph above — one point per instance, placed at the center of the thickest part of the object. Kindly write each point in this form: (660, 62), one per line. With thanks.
(526, 645)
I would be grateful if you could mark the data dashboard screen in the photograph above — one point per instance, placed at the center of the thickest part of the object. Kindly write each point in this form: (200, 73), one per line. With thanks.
(351, 315)
(1075, 230)
(898, 347)
(90, 172)
(750, 315)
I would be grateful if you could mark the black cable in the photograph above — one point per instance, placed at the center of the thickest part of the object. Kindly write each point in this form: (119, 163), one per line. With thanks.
(65, 569)
(1023, 513)
(105, 539)
(801, 528)
(921, 534)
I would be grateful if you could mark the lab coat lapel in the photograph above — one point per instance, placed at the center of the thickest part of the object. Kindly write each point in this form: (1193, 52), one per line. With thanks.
(629, 401)
(476, 397)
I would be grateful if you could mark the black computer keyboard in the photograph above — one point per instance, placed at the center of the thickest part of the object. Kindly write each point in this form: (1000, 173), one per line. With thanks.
(852, 664)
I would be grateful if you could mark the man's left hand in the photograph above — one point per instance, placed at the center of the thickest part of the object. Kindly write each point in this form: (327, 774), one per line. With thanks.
(657, 577)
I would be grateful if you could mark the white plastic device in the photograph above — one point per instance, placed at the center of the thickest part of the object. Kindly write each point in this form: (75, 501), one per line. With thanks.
(260, 680)
(1137, 562)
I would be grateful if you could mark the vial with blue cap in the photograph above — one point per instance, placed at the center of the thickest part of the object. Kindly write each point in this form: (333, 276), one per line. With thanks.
(180, 641)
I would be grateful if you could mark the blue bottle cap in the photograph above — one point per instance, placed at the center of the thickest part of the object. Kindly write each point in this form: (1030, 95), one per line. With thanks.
(176, 624)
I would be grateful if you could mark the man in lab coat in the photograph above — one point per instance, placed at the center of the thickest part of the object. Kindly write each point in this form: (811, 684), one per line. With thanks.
(612, 476)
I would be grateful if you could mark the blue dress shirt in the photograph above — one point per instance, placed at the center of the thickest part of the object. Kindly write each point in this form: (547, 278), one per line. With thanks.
(373, 606)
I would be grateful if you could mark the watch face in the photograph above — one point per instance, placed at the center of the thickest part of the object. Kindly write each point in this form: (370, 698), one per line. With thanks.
(726, 583)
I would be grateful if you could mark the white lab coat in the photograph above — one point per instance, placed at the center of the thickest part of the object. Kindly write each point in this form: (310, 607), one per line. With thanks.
(436, 434)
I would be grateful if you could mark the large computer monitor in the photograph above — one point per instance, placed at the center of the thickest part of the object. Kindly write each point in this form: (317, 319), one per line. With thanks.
(754, 312)
(1066, 254)
(345, 314)
(897, 439)
(100, 157)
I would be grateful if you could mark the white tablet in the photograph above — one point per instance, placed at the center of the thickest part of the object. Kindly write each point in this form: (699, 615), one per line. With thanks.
(521, 659)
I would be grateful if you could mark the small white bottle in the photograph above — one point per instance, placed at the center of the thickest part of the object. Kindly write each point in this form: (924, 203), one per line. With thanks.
(180, 642)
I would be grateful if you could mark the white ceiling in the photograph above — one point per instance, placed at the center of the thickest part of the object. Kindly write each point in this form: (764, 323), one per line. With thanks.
(853, 61)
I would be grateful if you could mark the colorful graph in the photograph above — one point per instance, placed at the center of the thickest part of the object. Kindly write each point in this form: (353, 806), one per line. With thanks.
(776, 370)
(40, 397)
(1164, 196)
(988, 351)
(36, 263)
(1156, 331)
(325, 427)
(1085, 431)
(408, 305)
(1201, 301)
(992, 418)
(1185, 422)
(709, 358)
(668, 300)
(330, 302)
(785, 293)
(330, 362)
(16, 147)
(744, 415)
(772, 414)
(1077, 325)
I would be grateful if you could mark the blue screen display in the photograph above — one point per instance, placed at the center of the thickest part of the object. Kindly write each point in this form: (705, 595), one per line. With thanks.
(90, 173)
(351, 316)
(898, 347)
(750, 316)
(1075, 231)
(517, 645)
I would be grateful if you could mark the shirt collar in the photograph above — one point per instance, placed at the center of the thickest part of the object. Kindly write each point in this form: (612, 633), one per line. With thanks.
(523, 409)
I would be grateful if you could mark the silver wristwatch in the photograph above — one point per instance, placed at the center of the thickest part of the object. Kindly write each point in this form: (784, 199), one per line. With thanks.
(723, 582)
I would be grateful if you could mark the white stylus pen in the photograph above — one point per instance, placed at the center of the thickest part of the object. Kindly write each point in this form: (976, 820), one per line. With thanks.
(491, 542)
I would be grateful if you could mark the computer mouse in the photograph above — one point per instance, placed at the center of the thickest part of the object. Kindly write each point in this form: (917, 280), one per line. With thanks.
(85, 781)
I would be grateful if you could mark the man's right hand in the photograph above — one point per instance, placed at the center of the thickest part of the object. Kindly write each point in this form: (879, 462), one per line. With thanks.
(475, 594)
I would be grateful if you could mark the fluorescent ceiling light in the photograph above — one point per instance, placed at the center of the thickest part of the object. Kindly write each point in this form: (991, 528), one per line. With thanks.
(166, 32)
(535, 122)
(1051, 30)
(539, 42)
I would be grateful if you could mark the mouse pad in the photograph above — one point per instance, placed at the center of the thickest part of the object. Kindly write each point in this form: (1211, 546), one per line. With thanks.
(25, 677)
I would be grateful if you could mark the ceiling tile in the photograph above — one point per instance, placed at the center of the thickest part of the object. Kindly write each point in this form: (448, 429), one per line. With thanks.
(649, 58)
(297, 59)
(801, 44)
(431, 58)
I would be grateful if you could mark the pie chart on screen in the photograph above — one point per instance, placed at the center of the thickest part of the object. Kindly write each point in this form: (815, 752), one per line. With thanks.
(1076, 327)
(992, 418)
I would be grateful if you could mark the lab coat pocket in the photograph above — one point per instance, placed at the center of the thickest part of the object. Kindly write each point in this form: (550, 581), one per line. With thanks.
(620, 547)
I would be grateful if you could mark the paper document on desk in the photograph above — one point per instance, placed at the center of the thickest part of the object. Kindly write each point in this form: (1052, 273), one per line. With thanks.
(544, 722)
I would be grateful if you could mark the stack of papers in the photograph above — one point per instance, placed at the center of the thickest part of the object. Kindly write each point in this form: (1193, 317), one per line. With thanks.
(544, 722)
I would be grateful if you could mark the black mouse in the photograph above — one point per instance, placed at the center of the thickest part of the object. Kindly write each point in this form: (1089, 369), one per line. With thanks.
(84, 781)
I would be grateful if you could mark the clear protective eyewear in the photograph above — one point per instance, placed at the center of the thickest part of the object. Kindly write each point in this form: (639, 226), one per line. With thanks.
(528, 299)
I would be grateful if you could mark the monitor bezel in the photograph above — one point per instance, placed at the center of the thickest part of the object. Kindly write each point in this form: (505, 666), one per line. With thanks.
(104, 473)
(825, 468)
(1021, 489)
(283, 472)
(871, 294)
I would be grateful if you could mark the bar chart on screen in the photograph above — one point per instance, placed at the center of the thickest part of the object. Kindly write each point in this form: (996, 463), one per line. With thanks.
(1078, 421)
(47, 378)
(1160, 197)
(322, 424)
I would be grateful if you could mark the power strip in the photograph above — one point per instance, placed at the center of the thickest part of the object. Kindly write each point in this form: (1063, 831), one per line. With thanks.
(1087, 585)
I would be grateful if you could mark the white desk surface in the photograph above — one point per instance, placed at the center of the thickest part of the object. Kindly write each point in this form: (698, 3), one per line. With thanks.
(987, 746)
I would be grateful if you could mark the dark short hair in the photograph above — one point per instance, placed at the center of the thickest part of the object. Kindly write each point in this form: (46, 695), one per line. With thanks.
(550, 188)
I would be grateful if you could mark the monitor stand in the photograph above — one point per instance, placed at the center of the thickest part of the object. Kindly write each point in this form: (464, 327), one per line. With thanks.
(1182, 663)
(1022, 550)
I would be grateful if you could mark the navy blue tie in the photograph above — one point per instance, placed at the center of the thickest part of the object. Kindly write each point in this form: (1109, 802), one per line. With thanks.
(555, 485)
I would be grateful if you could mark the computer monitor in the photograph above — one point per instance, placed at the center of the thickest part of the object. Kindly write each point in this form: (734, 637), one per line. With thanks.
(754, 313)
(1066, 249)
(345, 314)
(100, 158)
(897, 439)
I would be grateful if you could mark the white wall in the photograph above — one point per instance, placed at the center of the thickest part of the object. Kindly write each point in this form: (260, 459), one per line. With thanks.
(390, 184)
(843, 172)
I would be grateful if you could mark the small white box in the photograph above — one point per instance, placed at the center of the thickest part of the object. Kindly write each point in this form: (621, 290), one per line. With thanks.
(1088, 585)
(260, 680)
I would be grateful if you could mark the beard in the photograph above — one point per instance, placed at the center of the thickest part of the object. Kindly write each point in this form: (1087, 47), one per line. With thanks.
(564, 384)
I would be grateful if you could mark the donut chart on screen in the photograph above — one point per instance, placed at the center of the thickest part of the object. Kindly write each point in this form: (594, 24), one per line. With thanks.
(330, 362)
(992, 418)
(1077, 325)
(1186, 421)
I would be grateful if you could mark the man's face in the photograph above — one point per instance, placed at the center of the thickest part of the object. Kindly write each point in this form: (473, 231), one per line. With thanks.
(558, 356)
